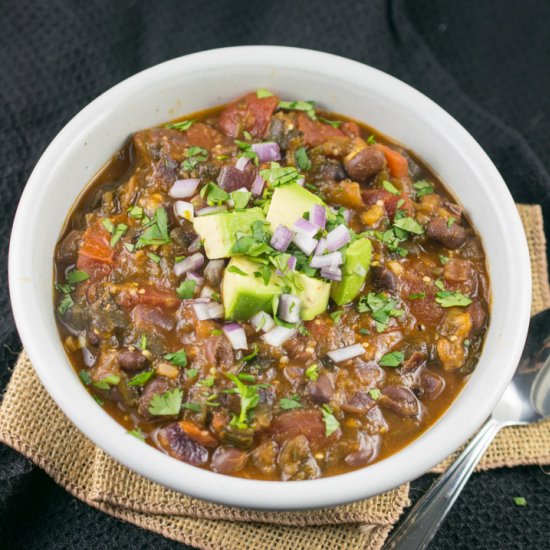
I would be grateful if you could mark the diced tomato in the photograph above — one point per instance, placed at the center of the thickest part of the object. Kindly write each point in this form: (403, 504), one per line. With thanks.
(199, 434)
(248, 113)
(316, 132)
(154, 297)
(351, 129)
(345, 193)
(95, 255)
(204, 136)
(372, 196)
(397, 163)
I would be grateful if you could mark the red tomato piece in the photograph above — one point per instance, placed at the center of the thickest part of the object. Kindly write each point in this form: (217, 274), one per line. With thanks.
(397, 163)
(248, 113)
(316, 132)
(95, 255)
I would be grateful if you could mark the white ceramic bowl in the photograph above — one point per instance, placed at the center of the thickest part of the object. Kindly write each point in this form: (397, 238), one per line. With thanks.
(205, 79)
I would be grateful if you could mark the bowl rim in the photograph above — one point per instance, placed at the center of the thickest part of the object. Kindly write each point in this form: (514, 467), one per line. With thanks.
(257, 494)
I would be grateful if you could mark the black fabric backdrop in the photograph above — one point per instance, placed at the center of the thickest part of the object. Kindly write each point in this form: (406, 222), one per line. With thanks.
(486, 62)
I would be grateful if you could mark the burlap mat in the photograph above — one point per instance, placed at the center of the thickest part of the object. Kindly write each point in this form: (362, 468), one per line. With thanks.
(31, 423)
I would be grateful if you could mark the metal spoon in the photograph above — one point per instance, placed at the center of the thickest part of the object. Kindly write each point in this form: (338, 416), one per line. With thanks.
(525, 400)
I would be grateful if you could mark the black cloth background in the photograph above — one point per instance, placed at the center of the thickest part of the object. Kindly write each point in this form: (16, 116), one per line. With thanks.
(486, 62)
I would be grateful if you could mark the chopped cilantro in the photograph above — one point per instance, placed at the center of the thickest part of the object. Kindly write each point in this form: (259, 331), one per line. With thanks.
(77, 276)
(374, 393)
(371, 140)
(214, 194)
(337, 315)
(333, 123)
(178, 358)
(246, 377)
(288, 403)
(85, 377)
(307, 107)
(153, 257)
(118, 233)
(191, 373)
(249, 399)
(65, 303)
(443, 259)
(137, 433)
(98, 400)
(277, 175)
(156, 232)
(107, 382)
(216, 332)
(167, 403)
(143, 342)
(302, 159)
(108, 225)
(129, 247)
(240, 198)
(312, 372)
(238, 271)
(140, 379)
(392, 359)
(180, 126)
(446, 298)
(206, 382)
(380, 307)
(450, 222)
(186, 289)
(417, 296)
(388, 186)
(439, 284)
(364, 331)
(410, 225)
(303, 330)
(262, 92)
(195, 407)
(331, 422)
(135, 212)
(423, 188)
(194, 156)
(253, 354)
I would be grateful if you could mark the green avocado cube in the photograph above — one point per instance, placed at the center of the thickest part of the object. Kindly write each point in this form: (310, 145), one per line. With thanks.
(219, 232)
(288, 203)
(245, 294)
(354, 272)
(314, 294)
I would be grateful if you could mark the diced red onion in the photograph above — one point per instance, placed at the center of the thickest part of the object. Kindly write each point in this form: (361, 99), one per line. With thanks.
(332, 274)
(321, 247)
(211, 210)
(184, 209)
(208, 310)
(191, 263)
(347, 215)
(281, 238)
(182, 189)
(236, 335)
(349, 352)
(241, 163)
(214, 271)
(301, 181)
(292, 263)
(338, 237)
(267, 151)
(195, 245)
(202, 300)
(328, 260)
(304, 243)
(289, 308)
(197, 277)
(305, 227)
(207, 292)
(257, 186)
(277, 336)
(262, 321)
(318, 216)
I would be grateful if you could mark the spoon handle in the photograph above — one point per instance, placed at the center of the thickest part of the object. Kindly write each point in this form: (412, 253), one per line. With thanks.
(423, 521)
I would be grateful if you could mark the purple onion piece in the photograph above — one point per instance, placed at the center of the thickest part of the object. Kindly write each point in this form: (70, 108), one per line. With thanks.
(304, 243)
(328, 260)
(301, 181)
(349, 352)
(182, 189)
(337, 238)
(281, 238)
(267, 151)
(197, 277)
(241, 163)
(305, 227)
(331, 274)
(347, 214)
(195, 245)
(214, 271)
(262, 321)
(236, 335)
(277, 336)
(257, 186)
(191, 263)
(292, 263)
(318, 216)
(207, 310)
(321, 247)
(289, 308)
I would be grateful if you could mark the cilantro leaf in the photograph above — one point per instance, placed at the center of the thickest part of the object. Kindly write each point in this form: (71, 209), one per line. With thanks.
(423, 188)
(186, 289)
(167, 403)
(85, 377)
(107, 382)
(331, 422)
(392, 359)
(140, 379)
(410, 225)
(374, 393)
(240, 198)
(180, 126)
(262, 92)
(312, 372)
(195, 407)
(65, 303)
(289, 403)
(447, 298)
(249, 399)
(381, 309)
(277, 175)
(238, 271)
(307, 107)
(302, 159)
(77, 276)
(337, 315)
(178, 358)
(136, 432)
(388, 186)
(333, 123)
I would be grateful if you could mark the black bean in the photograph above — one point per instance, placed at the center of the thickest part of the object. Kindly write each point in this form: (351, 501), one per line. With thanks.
(132, 360)
(365, 164)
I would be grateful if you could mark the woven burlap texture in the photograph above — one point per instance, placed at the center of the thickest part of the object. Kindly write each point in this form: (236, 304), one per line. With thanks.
(31, 423)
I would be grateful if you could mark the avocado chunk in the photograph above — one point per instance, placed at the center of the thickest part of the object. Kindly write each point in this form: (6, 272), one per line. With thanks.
(220, 232)
(314, 294)
(354, 272)
(289, 202)
(243, 293)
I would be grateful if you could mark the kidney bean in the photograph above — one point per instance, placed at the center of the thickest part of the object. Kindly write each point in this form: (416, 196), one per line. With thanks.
(132, 360)
(231, 178)
(307, 422)
(450, 237)
(364, 164)
(478, 315)
(322, 390)
(179, 445)
(369, 373)
(228, 460)
(369, 447)
(264, 457)
(359, 403)
(431, 384)
(382, 278)
(67, 250)
(401, 401)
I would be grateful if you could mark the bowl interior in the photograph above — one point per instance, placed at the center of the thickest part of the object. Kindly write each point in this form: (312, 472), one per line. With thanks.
(202, 80)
